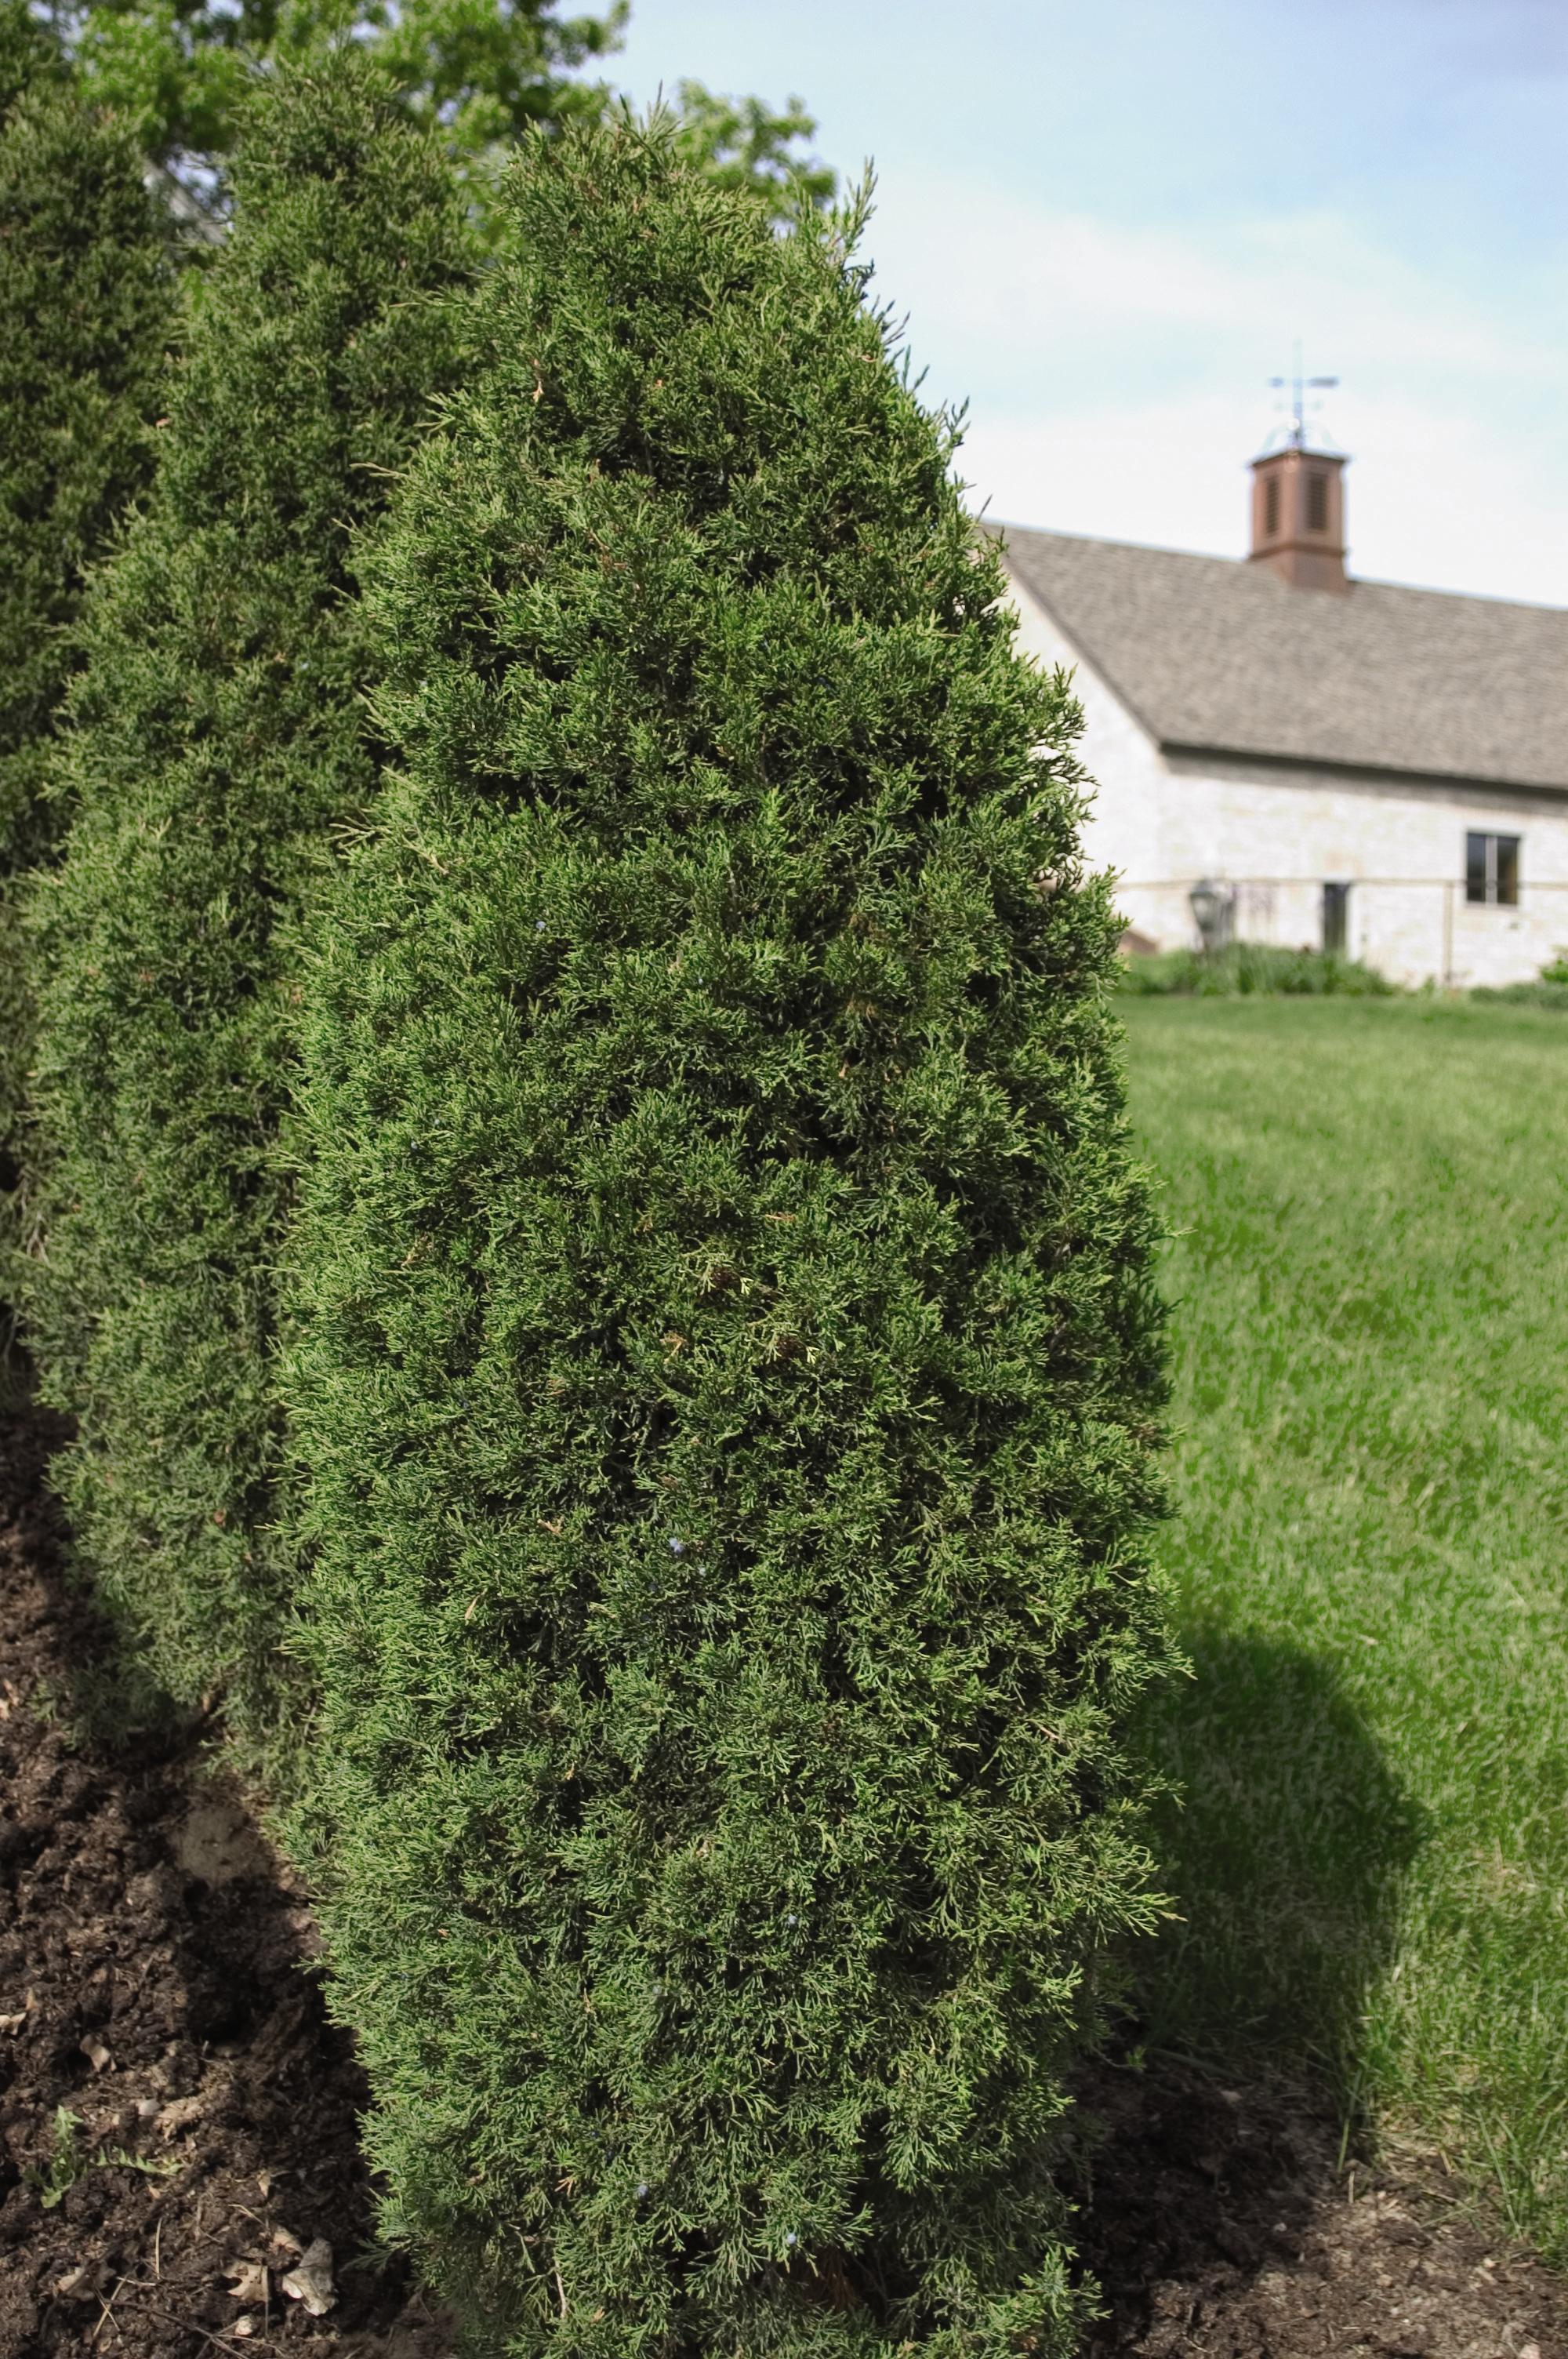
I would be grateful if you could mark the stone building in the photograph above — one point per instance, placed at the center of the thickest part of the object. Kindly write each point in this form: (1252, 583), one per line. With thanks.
(1357, 766)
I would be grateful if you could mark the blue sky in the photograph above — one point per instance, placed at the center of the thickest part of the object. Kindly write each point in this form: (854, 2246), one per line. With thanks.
(1108, 223)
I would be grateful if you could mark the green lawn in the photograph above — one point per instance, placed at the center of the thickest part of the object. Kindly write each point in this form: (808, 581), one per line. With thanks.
(1369, 1282)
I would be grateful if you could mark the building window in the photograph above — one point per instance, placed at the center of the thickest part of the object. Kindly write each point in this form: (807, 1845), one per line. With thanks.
(1335, 916)
(1491, 870)
(1317, 501)
(1270, 507)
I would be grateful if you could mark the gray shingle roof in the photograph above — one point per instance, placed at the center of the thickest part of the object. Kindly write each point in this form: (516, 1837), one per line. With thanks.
(1223, 656)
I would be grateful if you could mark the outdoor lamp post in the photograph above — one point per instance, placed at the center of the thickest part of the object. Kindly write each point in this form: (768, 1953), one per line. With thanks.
(1211, 907)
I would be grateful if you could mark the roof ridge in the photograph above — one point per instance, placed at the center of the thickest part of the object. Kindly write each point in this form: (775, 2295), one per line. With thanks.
(1489, 598)
(1218, 652)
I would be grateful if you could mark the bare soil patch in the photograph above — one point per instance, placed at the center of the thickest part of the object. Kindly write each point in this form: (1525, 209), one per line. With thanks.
(155, 1980)
(151, 1984)
(1223, 2222)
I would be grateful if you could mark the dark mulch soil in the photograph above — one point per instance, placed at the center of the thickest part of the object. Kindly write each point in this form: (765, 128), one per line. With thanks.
(1222, 2222)
(151, 1982)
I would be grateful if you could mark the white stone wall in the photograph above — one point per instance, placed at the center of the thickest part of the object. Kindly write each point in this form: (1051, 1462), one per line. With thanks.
(1130, 774)
(1277, 832)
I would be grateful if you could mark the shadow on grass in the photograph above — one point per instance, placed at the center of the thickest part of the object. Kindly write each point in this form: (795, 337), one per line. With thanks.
(1215, 2130)
(1286, 1854)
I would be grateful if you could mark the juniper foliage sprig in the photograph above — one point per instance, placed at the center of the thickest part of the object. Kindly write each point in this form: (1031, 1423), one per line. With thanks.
(728, 1349)
(86, 304)
(216, 740)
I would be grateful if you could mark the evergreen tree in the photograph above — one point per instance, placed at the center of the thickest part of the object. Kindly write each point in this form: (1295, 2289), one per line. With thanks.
(215, 744)
(31, 57)
(727, 1349)
(85, 305)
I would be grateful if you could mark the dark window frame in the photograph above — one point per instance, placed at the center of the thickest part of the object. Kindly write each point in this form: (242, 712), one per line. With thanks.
(1316, 500)
(1335, 915)
(1491, 869)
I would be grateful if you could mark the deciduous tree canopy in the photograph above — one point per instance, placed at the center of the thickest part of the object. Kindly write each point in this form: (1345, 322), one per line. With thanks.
(484, 71)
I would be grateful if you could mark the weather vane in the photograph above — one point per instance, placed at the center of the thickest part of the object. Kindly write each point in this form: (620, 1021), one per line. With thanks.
(1299, 387)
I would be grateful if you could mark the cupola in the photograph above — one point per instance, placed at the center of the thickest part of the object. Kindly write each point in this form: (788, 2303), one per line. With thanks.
(1298, 506)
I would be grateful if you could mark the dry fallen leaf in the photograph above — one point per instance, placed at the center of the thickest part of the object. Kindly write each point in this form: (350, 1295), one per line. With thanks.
(248, 2281)
(15, 2022)
(97, 2055)
(246, 2326)
(178, 2116)
(310, 2282)
(81, 2284)
(282, 2242)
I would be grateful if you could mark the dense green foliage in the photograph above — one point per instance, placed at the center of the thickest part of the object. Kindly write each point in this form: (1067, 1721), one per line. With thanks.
(481, 72)
(745, 144)
(1239, 969)
(1549, 990)
(85, 298)
(1553, 995)
(1368, 1203)
(31, 57)
(217, 741)
(728, 1354)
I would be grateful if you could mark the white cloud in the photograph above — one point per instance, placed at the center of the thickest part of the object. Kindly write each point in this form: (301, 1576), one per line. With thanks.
(1432, 500)
(982, 263)
(1171, 473)
(1118, 375)
(1444, 498)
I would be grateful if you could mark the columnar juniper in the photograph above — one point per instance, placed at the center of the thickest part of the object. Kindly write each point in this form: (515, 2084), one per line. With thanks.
(729, 1350)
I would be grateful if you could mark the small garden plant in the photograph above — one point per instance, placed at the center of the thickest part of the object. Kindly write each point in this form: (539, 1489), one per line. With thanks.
(1549, 990)
(1239, 970)
(730, 1368)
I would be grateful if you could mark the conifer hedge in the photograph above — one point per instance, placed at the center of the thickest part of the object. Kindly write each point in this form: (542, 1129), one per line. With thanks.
(729, 1351)
(216, 742)
(86, 307)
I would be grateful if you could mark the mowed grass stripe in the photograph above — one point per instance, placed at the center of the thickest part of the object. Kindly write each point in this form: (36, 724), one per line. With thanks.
(1370, 1339)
